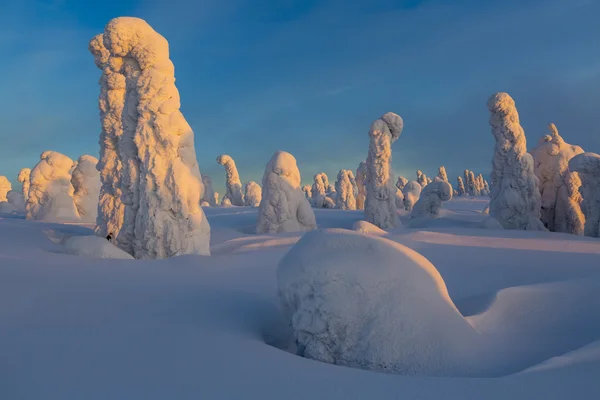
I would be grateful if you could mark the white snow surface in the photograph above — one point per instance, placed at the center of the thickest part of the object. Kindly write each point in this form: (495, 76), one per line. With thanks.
(380, 203)
(77, 327)
(284, 207)
(86, 183)
(515, 196)
(151, 183)
(51, 192)
(93, 246)
(252, 194)
(587, 165)
(233, 184)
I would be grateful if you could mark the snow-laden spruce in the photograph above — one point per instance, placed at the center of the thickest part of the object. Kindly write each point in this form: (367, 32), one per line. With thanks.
(151, 182)
(422, 178)
(331, 193)
(515, 197)
(411, 192)
(233, 184)
(401, 182)
(568, 215)
(5, 187)
(442, 173)
(460, 188)
(380, 204)
(551, 166)
(86, 183)
(319, 190)
(307, 190)
(23, 178)
(283, 208)
(587, 165)
(51, 192)
(252, 194)
(346, 189)
(431, 198)
(225, 202)
(209, 192)
(361, 182)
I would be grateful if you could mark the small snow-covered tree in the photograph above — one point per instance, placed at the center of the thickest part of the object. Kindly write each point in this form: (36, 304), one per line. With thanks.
(209, 192)
(411, 192)
(431, 198)
(151, 182)
(442, 173)
(319, 190)
(515, 200)
(346, 189)
(233, 184)
(361, 179)
(480, 185)
(307, 189)
(551, 165)
(569, 216)
(252, 194)
(86, 183)
(399, 199)
(225, 202)
(16, 199)
(460, 189)
(587, 165)
(486, 187)
(51, 192)
(215, 198)
(429, 180)
(380, 205)
(421, 178)
(5, 187)
(331, 193)
(401, 182)
(23, 178)
(284, 207)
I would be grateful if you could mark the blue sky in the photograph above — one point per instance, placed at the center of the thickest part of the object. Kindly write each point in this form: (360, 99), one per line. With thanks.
(310, 76)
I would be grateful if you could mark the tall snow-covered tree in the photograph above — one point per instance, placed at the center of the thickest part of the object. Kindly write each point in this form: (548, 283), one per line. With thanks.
(151, 182)
(460, 188)
(401, 182)
(319, 190)
(361, 179)
(252, 194)
(209, 192)
(5, 187)
(23, 178)
(346, 189)
(587, 165)
(86, 184)
(233, 184)
(515, 200)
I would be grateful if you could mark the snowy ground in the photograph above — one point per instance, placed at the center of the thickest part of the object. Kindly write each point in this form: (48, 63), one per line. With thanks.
(75, 327)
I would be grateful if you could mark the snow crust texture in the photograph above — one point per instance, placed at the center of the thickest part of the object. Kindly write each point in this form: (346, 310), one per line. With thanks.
(588, 167)
(86, 184)
(515, 197)
(431, 198)
(284, 207)
(151, 184)
(380, 204)
(233, 184)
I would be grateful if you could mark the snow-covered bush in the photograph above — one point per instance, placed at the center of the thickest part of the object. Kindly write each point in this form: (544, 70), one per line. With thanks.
(233, 184)
(346, 189)
(551, 166)
(209, 192)
(442, 173)
(284, 207)
(401, 182)
(515, 199)
(5, 187)
(86, 183)
(151, 182)
(460, 188)
(252, 194)
(421, 178)
(319, 190)
(361, 182)
(411, 192)
(430, 200)
(51, 192)
(380, 205)
(387, 309)
(23, 178)
(587, 165)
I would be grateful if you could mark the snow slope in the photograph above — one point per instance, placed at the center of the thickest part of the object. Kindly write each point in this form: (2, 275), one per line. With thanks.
(74, 327)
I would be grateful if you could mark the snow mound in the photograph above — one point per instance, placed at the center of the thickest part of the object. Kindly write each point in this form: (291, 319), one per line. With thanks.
(368, 228)
(367, 302)
(93, 246)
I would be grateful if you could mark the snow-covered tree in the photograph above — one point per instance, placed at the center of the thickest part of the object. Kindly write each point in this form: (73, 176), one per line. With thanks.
(215, 198)
(380, 205)
(442, 173)
(411, 192)
(486, 187)
(252, 194)
(421, 178)
(460, 188)
(319, 190)
(551, 165)
(346, 189)
(151, 182)
(284, 207)
(481, 185)
(470, 183)
(331, 193)
(428, 180)
(569, 216)
(225, 202)
(209, 192)
(23, 178)
(16, 199)
(399, 199)
(5, 187)
(587, 165)
(431, 198)
(86, 183)
(515, 200)
(361, 181)
(51, 192)
(401, 182)
(307, 190)
(233, 184)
